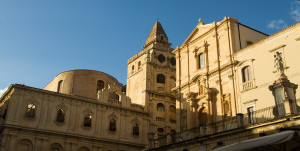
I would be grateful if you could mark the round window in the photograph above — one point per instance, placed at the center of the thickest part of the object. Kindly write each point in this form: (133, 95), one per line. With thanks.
(161, 58)
(173, 61)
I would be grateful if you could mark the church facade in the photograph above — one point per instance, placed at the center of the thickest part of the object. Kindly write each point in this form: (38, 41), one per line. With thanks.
(236, 87)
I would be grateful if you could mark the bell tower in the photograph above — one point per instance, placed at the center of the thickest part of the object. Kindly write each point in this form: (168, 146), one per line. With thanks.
(150, 78)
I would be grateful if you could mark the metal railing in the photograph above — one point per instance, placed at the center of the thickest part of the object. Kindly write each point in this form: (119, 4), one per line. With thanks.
(264, 115)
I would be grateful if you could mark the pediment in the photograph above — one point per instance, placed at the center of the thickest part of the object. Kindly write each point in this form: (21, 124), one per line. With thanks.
(197, 32)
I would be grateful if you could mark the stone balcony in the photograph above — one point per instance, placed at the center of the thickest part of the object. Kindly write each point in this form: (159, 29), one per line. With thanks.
(248, 85)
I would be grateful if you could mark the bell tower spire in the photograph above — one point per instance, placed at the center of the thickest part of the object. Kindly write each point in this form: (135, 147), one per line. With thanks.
(157, 35)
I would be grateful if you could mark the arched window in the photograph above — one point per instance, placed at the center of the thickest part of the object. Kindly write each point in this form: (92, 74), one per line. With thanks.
(112, 125)
(87, 120)
(132, 68)
(100, 85)
(59, 86)
(56, 147)
(160, 78)
(60, 116)
(30, 113)
(135, 129)
(172, 109)
(160, 107)
(246, 74)
(113, 96)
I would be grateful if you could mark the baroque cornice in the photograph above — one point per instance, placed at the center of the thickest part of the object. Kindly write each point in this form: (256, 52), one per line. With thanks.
(77, 98)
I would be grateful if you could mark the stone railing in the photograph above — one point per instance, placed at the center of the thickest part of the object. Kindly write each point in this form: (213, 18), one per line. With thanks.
(114, 102)
(160, 119)
(137, 107)
(248, 85)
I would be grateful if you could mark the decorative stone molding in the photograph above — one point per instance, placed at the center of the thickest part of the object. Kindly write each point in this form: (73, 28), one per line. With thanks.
(276, 48)
(135, 120)
(62, 106)
(88, 111)
(250, 101)
(113, 115)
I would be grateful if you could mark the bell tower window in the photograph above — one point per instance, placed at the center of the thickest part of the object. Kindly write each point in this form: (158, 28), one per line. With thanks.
(161, 78)
(160, 107)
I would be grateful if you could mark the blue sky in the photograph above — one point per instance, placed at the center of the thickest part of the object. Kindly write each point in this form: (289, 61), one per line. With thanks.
(41, 38)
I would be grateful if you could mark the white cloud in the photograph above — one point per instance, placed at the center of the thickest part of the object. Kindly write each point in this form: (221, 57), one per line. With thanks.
(2, 91)
(277, 24)
(295, 10)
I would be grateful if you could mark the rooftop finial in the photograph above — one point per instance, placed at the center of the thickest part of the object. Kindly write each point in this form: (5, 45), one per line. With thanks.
(200, 22)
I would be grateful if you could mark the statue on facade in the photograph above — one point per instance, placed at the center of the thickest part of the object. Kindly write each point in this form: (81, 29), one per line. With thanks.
(279, 66)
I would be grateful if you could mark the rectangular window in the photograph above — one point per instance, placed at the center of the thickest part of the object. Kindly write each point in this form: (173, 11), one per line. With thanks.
(246, 74)
(250, 112)
(200, 61)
